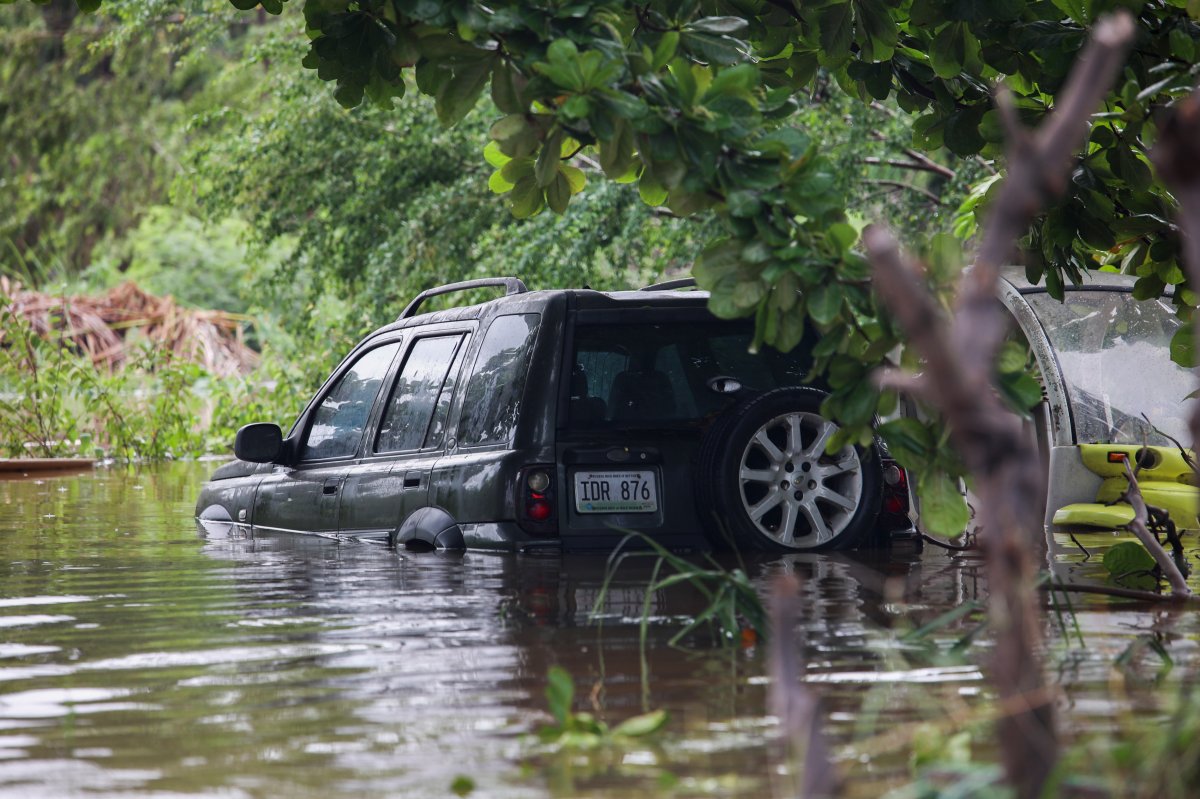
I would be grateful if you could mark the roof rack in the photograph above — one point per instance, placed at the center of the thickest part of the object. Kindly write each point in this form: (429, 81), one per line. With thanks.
(670, 285)
(511, 286)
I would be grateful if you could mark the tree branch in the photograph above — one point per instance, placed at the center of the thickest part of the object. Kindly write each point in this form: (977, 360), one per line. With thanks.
(958, 359)
(1138, 527)
(899, 184)
(920, 165)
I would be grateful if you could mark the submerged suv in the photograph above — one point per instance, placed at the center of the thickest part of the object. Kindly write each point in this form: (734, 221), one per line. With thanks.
(560, 419)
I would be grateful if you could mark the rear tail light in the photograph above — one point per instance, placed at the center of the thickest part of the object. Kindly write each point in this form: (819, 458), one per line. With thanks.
(536, 509)
(895, 490)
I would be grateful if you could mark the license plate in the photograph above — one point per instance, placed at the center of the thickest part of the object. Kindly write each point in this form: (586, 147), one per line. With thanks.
(616, 492)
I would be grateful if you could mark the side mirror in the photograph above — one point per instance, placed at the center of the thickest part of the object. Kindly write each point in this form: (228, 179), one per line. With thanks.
(258, 443)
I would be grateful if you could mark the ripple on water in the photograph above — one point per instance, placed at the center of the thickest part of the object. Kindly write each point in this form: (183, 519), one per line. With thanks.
(171, 663)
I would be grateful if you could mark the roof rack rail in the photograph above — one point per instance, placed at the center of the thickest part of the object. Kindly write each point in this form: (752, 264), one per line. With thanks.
(670, 285)
(511, 286)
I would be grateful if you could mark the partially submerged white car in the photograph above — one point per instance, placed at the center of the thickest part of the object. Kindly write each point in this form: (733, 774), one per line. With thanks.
(1110, 392)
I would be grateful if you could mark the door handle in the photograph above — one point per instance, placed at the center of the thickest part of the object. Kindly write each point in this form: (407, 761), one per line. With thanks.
(330, 489)
(412, 480)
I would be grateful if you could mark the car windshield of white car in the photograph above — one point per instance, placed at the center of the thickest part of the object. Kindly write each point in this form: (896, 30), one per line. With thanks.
(1115, 356)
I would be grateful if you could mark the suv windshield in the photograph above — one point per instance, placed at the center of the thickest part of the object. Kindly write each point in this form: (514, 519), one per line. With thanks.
(659, 374)
(1115, 355)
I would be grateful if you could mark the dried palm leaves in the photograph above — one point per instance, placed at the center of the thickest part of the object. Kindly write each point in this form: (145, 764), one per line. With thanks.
(101, 326)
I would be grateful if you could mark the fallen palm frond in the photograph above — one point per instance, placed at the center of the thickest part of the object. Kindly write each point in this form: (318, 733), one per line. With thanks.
(100, 327)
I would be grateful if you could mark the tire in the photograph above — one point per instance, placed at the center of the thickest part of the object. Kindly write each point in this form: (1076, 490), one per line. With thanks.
(747, 470)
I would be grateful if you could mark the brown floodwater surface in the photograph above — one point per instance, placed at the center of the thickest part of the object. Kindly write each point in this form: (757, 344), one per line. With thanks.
(142, 656)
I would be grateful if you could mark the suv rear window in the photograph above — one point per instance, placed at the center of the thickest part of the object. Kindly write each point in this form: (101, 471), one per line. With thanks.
(634, 374)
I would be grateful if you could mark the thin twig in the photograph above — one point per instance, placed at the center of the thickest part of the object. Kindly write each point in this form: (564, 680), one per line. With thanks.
(899, 184)
(1123, 593)
(923, 165)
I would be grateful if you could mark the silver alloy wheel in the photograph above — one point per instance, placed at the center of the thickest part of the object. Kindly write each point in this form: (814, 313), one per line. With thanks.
(793, 492)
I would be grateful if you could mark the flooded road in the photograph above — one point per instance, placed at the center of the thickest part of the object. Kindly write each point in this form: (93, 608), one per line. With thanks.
(140, 657)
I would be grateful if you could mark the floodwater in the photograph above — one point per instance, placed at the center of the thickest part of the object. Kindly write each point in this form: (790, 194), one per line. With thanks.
(143, 657)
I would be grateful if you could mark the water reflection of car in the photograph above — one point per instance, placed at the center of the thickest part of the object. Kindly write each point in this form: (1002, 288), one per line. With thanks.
(553, 418)
(1111, 392)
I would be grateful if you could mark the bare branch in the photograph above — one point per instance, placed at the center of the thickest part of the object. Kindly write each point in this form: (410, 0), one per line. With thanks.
(1138, 527)
(918, 165)
(899, 184)
(1122, 593)
(959, 356)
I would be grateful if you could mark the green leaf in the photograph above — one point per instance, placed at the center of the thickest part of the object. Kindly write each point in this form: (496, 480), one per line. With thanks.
(944, 509)
(1011, 358)
(825, 302)
(458, 95)
(560, 693)
(843, 236)
(910, 442)
(1020, 390)
(1183, 46)
(616, 154)
(877, 33)
(1183, 346)
(639, 726)
(548, 159)
(961, 134)
(948, 50)
(836, 23)
(462, 785)
(1148, 287)
(505, 93)
(558, 193)
(717, 25)
(1128, 563)
(574, 176)
(651, 191)
(494, 155)
(526, 197)
(664, 51)
(499, 184)
(1078, 10)
(713, 48)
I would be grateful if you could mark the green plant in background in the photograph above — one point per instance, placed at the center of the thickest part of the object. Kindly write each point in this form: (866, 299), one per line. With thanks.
(40, 415)
(56, 403)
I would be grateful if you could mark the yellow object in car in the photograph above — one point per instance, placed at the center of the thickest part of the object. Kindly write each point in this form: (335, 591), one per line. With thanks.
(1165, 478)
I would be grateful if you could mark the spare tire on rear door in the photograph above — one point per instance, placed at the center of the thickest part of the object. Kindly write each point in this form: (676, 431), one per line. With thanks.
(763, 477)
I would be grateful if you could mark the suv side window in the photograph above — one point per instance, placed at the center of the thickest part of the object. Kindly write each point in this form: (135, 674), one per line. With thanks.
(338, 422)
(490, 406)
(416, 394)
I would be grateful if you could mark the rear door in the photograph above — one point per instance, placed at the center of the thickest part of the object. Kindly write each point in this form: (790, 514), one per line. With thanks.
(304, 497)
(392, 479)
(644, 387)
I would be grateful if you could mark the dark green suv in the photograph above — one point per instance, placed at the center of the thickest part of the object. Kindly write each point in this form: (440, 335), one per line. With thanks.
(557, 419)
